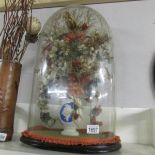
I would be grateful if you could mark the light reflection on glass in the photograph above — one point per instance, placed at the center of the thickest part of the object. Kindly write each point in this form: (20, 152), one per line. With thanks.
(101, 72)
(62, 94)
(103, 95)
(44, 68)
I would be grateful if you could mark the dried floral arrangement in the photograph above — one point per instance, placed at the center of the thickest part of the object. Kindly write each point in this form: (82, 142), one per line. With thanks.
(73, 52)
(18, 22)
(72, 96)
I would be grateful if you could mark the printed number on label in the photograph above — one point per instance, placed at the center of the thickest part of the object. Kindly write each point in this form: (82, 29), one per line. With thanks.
(3, 137)
(93, 129)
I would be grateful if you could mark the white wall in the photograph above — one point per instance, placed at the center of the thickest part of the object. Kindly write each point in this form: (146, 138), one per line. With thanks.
(133, 28)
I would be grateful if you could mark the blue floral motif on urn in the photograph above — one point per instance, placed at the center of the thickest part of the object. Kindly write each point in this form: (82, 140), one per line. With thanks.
(66, 112)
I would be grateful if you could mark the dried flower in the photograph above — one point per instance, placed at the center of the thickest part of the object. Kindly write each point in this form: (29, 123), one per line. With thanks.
(33, 26)
(73, 36)
(84, 26)
(70, 21)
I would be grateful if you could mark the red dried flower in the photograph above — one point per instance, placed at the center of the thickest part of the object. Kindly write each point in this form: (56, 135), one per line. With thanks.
(72, 36)
(76, 63)
(75, 89)
(84, 26)
(85, 78)
(75, 115)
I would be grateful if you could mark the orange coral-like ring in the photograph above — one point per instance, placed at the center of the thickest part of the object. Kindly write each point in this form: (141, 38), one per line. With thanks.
(71, 140)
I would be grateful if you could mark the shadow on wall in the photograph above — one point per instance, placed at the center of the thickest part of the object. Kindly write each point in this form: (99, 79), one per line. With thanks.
(21, 117)
(152, 75)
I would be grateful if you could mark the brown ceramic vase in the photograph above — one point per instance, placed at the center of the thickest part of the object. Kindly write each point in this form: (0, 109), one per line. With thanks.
(9, 82)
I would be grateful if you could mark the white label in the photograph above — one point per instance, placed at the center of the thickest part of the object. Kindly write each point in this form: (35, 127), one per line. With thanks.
(3, 137)
(93, 129)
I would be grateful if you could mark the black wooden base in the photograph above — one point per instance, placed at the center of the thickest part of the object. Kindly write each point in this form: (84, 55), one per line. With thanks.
(73, 149)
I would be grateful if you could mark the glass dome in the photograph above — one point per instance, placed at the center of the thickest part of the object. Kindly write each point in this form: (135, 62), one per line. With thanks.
(72, 105)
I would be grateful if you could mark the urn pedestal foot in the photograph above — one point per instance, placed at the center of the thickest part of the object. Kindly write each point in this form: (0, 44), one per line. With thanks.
(70, 130)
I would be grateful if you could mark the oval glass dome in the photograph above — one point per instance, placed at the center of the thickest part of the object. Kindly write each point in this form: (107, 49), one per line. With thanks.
(72, 105)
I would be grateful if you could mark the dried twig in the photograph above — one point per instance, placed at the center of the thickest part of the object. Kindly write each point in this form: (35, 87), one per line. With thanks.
(15, 21)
